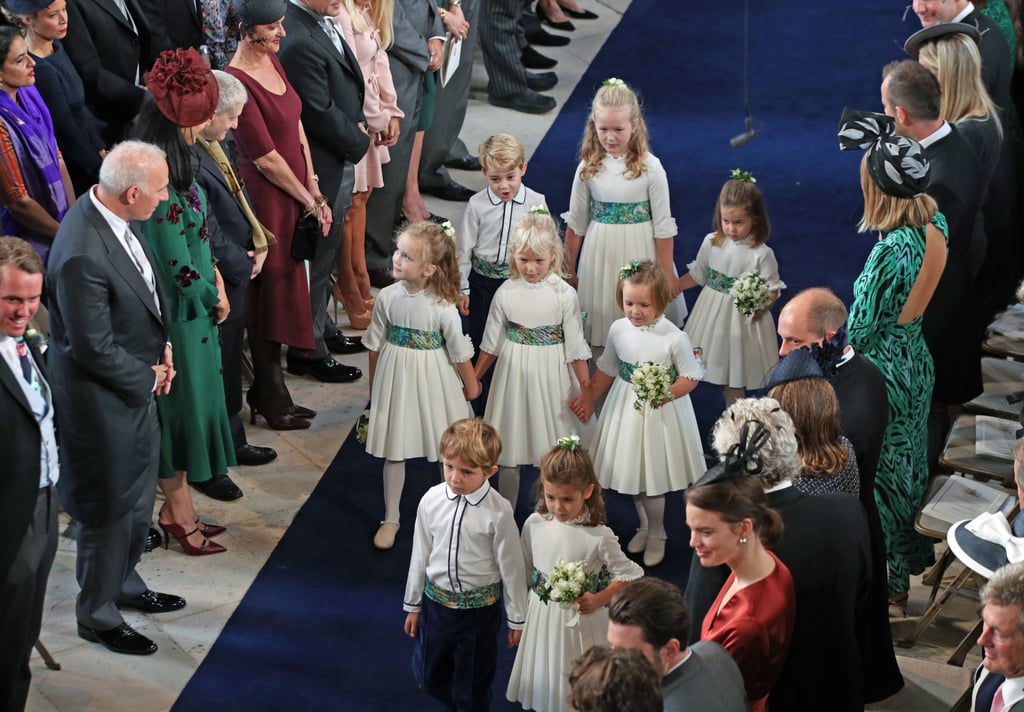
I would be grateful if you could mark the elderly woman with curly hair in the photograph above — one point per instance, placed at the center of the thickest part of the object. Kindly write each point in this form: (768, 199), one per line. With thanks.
(825, 546)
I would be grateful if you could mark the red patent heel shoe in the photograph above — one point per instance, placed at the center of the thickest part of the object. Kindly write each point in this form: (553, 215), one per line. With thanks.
(181, 536)
(210, 530)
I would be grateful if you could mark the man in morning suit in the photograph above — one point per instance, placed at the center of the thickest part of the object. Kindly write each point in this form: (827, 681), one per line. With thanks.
(327, 78)
(999, 685)
(813, 317)
(109, 360)
(650, 615)
(240, 243)
(112, 46)
(28, 502)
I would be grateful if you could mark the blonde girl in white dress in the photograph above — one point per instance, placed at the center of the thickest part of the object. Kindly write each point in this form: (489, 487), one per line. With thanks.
(656, 449)
(421, 373)
(619, 208)
(738, 350)
(568, 525)
(535, 331)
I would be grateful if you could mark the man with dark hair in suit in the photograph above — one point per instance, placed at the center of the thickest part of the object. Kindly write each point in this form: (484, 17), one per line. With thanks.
(109, 360)
(112, 46)
(28, 527)
(240, 244)
(813, 317)
(326, 76)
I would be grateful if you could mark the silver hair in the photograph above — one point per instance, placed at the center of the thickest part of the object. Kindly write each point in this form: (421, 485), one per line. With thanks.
(232, 92)
(127, 164)
(1006, 588)
(780, 454)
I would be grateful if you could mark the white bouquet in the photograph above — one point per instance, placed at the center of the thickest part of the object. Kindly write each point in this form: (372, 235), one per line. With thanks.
(566, 583)
(650, 382)
(750, 293)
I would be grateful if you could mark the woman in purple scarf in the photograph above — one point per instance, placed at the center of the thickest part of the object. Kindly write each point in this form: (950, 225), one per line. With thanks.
(35, 189)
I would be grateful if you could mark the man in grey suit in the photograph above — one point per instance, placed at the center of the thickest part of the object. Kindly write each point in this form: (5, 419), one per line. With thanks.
(327, 78)
(28, 503)
(109, 359)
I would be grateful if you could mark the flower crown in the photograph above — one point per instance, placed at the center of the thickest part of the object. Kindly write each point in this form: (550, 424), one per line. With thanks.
(571, 443)
(740, 174)
(538, 210)
(629, 269)
(613, 82)
(448, 230)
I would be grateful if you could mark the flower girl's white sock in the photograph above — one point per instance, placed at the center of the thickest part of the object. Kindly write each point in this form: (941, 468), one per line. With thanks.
(394, 482)
(638, 502)
(508, 484)
(654, 507)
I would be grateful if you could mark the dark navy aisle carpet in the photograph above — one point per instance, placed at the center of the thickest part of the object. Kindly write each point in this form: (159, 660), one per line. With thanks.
(321, 626)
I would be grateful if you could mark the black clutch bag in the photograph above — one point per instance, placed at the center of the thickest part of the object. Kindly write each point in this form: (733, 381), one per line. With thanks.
(307, 233)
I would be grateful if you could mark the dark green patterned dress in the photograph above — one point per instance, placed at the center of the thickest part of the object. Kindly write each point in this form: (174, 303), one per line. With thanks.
(899, 351)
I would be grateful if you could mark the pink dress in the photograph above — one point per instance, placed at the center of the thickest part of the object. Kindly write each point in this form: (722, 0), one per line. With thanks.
(380, 102)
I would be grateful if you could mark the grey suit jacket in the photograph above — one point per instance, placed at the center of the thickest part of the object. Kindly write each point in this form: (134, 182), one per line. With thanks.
(106, 334)
(415, 22)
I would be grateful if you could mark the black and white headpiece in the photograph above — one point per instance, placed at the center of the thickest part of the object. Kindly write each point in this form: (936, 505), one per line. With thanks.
(896, 164)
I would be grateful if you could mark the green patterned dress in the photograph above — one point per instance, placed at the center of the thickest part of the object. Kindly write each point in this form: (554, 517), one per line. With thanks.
(899, 351)
(195, 433)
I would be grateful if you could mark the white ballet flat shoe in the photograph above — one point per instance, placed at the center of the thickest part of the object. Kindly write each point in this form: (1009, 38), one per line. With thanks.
(385, 536)
(655, 551)
(638, 543)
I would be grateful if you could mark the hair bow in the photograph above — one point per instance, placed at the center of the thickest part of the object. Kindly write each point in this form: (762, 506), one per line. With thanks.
(897, 164)
(743, 458)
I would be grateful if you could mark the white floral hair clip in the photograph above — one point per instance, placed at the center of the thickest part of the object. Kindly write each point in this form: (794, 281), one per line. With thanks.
(538, 210)
(613, 82)
(571, 443)
(448, 230)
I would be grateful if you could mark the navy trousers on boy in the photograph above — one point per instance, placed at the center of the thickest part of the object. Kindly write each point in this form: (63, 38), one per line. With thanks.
(481, 294)
(456, 654)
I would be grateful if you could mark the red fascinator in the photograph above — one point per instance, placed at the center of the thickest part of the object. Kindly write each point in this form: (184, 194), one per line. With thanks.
(183, 86)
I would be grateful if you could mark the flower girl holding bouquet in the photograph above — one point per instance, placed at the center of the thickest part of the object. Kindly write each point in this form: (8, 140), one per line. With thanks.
(731, 322)
(568, 527)
(647, 439)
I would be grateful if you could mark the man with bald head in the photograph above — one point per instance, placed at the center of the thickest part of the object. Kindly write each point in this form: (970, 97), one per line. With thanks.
(816, 316)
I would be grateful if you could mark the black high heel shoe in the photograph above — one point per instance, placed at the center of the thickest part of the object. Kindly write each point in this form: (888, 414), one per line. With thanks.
(279, 421)
(564, 26)
(578, 14)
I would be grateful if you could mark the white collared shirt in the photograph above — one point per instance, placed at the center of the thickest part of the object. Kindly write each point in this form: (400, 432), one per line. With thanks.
(939, 133)
(486, 229)
(463, 542)
(964, 13)
(1012, 688)
(41, 404)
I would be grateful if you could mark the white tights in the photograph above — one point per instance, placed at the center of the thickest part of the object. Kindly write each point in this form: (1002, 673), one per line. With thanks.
(651, 511)
(394, 482)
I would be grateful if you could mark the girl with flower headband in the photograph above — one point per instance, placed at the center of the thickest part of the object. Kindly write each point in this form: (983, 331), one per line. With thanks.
(738, 350)
(569, 526)
(619, 208)
(656, 448)
(418, 354)
(535, 332)
(885, 325)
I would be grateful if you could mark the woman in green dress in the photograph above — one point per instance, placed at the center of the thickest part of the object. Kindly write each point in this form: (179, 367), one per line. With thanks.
(889, 297)
(196, 436)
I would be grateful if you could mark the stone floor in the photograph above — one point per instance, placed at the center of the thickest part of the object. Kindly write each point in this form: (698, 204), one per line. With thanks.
(93, 679)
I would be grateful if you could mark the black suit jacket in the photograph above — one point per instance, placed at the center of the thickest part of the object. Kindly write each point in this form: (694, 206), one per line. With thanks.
(106, 334)
(106, 53)
(177, 21)
(825, 547)
(331, 87)
(20, 438)
(996, 62)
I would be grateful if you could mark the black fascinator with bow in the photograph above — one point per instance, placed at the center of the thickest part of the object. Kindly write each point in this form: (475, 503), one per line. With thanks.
(743, 459)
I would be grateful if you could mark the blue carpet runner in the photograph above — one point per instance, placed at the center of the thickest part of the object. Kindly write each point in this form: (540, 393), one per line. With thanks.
(321, 627)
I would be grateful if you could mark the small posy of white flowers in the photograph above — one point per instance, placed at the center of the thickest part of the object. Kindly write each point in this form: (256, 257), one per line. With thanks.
(614, 82)
(538, 210)
(36, 338)
(363, 426)
(570, 443)
(750, 293)
(448, 229)
(568, 581)
(651, 381)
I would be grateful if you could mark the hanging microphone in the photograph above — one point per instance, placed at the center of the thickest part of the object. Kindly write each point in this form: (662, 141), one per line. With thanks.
(745, 137)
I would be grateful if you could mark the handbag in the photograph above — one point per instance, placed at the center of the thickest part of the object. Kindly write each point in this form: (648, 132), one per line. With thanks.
(307, 233)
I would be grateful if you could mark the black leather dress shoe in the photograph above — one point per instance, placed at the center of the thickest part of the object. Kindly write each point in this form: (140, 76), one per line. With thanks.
(153, 540)
(323, 369)
(122, 639)
(527, 101)
(448, 190)
(541, 81)
(253, 456)
(532, 59)
(221, 487)
(546, 39)
(381, 277)
(341, 344)
(464, 163)
(154, 602)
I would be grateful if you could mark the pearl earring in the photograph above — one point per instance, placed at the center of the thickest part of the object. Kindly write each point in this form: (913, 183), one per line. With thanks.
(743, 540)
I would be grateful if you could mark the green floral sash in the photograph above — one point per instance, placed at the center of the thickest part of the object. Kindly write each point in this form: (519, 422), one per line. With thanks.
(719, 282)
(620, 213)
(414, 338)
(537, 336)
(476, 598)
(489, 269)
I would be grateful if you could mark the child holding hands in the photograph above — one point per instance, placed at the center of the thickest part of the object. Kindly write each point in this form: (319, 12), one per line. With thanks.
(465, 556)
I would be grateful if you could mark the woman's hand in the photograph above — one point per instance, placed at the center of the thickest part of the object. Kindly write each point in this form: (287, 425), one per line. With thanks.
(455, 23)
(434, 46)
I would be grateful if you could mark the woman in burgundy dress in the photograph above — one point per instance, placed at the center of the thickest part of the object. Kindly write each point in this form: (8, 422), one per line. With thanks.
(275, 165)
(731, 523)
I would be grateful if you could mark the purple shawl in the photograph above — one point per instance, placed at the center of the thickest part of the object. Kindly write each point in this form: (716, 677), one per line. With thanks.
(31, 134)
